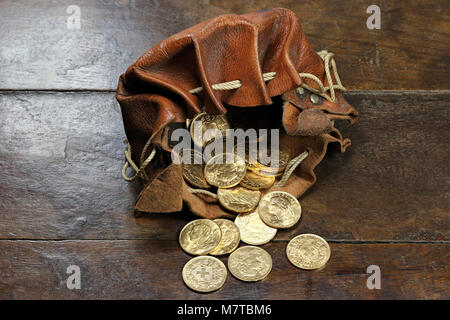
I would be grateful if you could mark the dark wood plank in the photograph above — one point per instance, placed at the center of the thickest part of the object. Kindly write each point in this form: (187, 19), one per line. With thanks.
(410, 51)
(150, 269)
(393, 180)
(61, 165)
(61, 155)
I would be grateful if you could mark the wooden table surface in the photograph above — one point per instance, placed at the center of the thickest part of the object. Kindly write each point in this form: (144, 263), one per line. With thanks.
(385, 202)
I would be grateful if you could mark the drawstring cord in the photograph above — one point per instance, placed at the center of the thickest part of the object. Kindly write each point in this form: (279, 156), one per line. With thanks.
(291, 166)
(139, 171)
(202, 191)
(330, 66)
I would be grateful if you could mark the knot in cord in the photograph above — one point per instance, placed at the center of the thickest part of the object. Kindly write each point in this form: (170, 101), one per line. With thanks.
(139, 171)
(328, 59)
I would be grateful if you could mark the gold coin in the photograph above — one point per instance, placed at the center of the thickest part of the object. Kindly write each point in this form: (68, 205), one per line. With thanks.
(276, 166)
(238, 199)
(253, 230)
(281, 163)
(225, 170)
(204, 274)
(200, 236)
(255, 181)
(230, 237)
(243, 150)
(250, 263)
(214, 147)
(267, 173)
(193, 171)
(205, 127)
(279, 209)
(191, 127)
(308, 251)
(263, 173)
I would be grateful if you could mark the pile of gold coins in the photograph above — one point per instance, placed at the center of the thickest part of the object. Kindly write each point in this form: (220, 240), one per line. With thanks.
(238, 184)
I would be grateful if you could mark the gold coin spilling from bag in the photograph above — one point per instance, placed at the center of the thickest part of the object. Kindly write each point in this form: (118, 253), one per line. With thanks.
(250, 263)
(205, 127)
(253, 230)
(255, 181)
(230, 237)
(215, 147)
(225, 170)
(238, 199)
(257, 170)
(277, 165)
(204, 274)
(200, 237)
(193, 171)
(282, 162)
(279, 209)
(243, 151)
(308, 251)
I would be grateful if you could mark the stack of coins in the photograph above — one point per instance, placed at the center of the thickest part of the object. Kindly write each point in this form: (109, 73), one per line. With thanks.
(238, 183)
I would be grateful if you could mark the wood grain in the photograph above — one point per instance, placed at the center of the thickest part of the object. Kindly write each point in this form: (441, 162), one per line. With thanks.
(150, 269)
(38, 51)
(61, 156)
(384, 202)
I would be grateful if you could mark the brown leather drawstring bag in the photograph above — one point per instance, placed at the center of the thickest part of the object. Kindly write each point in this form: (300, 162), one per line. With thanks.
(257, 68)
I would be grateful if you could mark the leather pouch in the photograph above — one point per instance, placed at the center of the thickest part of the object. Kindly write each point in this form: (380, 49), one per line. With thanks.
(277, 73)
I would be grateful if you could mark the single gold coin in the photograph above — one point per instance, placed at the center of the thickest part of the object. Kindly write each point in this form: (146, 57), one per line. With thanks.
(225, 170)
(250, 263)
(200, 236)
(205, 127)
(230, 237)
(253, 230)
(247, 151)
(274, 165)
(204, 274)
(308, 251)
(259, 170)
(238, 199)
(279, 209)
(215, 147)
(193, 169)
(279, 164)
(255, 181)
(269, 174)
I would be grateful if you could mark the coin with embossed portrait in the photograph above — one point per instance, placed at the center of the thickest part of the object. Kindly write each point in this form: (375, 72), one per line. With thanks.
(238, 199)
(206, 127)
(225, 170)
(308, 251)
(200, 236)
(250, 263)
(193, 169)
(230, 237)
(204, 274)
(253, 230)
(279, 209)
